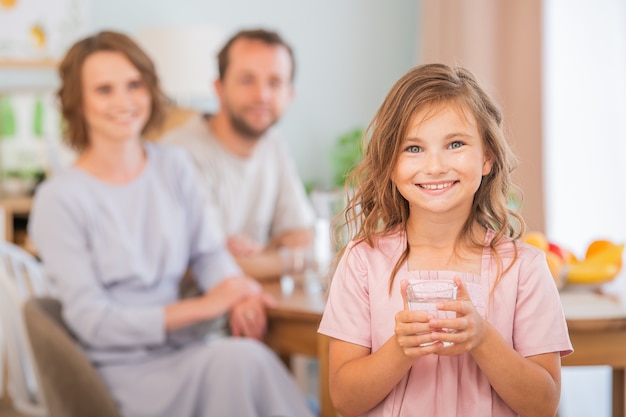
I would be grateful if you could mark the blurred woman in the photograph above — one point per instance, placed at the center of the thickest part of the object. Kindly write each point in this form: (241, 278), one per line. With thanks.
(116, 232)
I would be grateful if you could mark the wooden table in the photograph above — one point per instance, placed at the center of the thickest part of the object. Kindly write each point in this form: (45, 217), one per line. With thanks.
(597, 329)
(292, 329)
(596, 322)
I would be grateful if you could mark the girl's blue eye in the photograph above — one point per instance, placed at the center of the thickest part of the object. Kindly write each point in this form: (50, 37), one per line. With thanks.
(456, 145)
(413, 149)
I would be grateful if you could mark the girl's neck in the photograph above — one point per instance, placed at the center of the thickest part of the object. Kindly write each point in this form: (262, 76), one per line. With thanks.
(434, 231)
(115, 163)
(439, 245)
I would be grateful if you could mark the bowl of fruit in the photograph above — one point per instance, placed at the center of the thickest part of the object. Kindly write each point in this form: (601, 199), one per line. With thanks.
(600, 264)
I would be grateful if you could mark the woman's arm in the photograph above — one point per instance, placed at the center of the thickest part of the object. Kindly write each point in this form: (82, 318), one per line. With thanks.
(211, 263)
(217, 301)
(61, 228)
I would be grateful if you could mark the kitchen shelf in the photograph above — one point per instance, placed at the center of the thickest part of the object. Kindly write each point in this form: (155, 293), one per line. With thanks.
(28, 63)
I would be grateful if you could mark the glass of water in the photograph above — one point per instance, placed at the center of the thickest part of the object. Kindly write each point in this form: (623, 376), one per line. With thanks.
(425, 295)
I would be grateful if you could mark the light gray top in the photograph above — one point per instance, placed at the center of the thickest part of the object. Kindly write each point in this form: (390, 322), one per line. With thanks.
(260, 196)
(116, 253)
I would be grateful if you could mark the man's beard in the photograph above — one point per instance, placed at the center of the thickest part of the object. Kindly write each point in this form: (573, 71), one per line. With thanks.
(247, 131)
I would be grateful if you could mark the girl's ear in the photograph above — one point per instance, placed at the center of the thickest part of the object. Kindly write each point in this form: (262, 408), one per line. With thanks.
(487, 163)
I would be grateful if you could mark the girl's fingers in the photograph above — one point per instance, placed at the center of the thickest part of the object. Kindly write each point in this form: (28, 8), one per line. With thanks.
(461, 293)
(403, 284)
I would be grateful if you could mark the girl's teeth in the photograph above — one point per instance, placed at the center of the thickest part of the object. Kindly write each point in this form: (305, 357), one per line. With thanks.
(436, 186)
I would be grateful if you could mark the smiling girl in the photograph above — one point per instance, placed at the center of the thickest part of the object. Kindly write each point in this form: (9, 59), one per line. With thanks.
(431, 203)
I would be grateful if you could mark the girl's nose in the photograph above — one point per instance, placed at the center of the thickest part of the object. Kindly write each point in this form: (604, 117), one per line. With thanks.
(434, 163)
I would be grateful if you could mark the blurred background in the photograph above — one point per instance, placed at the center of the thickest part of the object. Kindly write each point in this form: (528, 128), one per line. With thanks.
(557, 67)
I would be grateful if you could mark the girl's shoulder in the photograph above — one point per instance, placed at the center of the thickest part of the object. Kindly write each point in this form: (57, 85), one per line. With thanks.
(384, 245)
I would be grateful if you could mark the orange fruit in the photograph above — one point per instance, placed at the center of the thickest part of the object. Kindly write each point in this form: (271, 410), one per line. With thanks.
(598, 246)
(537, 239)
(8, 4)
(609, 254)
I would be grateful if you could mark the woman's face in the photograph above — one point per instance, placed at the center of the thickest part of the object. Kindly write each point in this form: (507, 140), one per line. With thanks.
(116, 103)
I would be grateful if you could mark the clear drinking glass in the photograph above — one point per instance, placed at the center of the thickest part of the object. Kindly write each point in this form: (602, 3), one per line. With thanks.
(425, 295)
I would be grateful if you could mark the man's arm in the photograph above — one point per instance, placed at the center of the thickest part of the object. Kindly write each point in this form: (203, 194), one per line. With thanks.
(295, 238)
(285, 253)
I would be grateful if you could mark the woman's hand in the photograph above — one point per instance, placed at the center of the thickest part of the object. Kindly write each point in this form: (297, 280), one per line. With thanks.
(213, 303)
(469, 326)
(413, 328)
(248, 318)
(222, 297)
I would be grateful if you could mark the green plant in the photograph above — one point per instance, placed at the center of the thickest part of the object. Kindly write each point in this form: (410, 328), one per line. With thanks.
(7, 118)
(29, 174)
(346, 155)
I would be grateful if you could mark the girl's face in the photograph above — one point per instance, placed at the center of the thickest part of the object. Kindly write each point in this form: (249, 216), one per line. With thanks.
(116, 103)
(441, 162)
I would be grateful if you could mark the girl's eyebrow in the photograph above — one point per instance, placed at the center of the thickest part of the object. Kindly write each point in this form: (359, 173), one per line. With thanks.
(446, 137)
(458, 134)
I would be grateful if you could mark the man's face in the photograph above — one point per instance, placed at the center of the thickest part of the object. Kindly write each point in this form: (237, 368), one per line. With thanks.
(256, 87)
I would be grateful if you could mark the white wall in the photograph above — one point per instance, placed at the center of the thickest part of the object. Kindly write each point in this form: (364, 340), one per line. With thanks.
(585, 110)
(585, 152)
(349, 53)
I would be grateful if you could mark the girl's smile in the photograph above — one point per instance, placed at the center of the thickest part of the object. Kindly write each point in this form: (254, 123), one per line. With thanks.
(437, 186)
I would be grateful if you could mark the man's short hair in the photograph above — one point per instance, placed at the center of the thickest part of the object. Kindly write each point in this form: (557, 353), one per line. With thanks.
(266, 36)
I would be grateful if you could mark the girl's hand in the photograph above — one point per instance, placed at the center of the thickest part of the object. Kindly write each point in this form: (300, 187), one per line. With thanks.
(413, 329)
(469, 325)
(248, 318)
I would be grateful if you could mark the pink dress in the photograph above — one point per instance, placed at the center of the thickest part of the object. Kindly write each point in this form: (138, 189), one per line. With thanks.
(525, 308)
